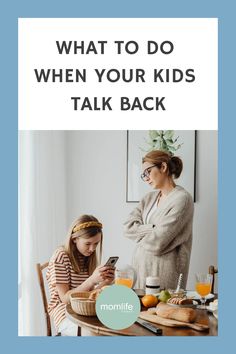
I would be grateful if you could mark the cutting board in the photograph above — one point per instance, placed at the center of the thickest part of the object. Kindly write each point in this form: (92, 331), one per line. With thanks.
(149, 316)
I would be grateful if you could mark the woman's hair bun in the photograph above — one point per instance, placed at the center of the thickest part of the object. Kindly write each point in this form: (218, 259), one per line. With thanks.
(157, 157)
(175, 166)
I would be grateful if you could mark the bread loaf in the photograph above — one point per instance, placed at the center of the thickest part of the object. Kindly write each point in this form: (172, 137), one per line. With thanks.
(178, 314)
(94, 294)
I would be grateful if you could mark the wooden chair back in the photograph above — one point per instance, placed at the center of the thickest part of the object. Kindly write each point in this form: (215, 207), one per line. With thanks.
(40, 268)
(212, 270)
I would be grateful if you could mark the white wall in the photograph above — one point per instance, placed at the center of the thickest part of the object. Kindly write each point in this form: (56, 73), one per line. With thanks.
(96, 182)
(96, 172)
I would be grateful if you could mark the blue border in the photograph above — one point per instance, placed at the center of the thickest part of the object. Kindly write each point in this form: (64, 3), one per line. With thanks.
(10, 11)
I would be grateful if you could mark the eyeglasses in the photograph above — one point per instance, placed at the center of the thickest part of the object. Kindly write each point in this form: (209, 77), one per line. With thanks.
(146, 172)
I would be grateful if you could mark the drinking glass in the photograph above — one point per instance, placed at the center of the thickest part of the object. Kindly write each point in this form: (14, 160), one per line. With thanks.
(124, 277)
(203, 287)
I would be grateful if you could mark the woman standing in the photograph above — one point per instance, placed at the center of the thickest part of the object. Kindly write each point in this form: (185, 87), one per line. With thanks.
(161, 225)
(74, 267)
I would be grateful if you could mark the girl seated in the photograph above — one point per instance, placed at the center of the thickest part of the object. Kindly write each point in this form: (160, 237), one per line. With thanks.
(74, 267)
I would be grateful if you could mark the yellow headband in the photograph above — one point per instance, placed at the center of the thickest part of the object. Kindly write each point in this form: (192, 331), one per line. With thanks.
(86, 225)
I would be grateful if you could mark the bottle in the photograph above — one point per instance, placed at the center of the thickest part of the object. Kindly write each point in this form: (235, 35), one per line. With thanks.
(152, 285)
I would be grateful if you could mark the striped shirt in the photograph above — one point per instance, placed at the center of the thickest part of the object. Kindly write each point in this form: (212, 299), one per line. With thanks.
(60, 271)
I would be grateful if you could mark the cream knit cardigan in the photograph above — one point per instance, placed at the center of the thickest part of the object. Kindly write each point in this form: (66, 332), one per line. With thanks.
(164, 245)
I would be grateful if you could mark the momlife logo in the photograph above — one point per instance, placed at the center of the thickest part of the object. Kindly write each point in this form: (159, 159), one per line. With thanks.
(124, 307)
(122, 303)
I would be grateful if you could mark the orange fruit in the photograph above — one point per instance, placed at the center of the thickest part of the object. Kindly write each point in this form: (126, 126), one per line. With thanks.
(149, 300)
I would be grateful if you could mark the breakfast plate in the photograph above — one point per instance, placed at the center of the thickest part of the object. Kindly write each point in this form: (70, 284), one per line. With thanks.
(194, 295)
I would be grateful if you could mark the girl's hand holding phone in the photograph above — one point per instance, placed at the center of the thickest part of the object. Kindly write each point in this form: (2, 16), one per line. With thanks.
(109, 277)
(102, 273)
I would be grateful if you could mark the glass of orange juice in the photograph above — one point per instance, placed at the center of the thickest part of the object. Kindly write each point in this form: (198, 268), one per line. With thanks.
(203, 287)
(124, 277)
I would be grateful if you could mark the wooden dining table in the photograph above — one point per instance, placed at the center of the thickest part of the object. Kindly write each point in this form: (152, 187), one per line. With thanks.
(91, 326)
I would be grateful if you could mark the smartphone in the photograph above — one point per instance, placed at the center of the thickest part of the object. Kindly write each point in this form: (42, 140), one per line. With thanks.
(111, 262)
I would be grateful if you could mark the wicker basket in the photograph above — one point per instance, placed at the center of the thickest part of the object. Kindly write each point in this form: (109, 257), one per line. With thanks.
(81, 304)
